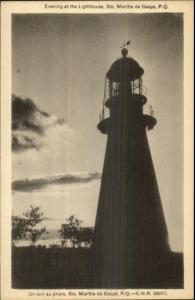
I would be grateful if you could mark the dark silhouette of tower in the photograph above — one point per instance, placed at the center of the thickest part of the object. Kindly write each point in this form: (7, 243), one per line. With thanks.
(131, 239)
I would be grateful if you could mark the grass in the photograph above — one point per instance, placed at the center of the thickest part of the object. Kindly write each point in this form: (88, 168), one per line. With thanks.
(41, 267)
(58, 268)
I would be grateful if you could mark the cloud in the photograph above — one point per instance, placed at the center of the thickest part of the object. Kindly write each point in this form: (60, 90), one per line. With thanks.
(30, 125)
(30, 185)
(24, 140)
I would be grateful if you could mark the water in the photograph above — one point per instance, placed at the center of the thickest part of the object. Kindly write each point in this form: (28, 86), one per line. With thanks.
(47, 243)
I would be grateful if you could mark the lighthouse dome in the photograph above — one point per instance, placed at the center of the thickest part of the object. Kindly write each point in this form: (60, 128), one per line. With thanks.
(125, 68)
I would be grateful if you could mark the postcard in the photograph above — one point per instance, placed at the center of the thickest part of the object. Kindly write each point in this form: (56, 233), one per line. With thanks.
(96, 150)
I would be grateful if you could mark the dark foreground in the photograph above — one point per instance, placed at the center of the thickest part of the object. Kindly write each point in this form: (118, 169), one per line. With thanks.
(55, 268)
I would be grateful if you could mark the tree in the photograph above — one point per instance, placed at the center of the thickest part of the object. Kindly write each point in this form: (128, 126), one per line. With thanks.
(19, 228)
(33, 218)
(69, 231)
(85, 236)
(77, 235)
(28, 225)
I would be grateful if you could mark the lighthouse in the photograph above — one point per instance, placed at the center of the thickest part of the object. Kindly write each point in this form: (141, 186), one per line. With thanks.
(131, 238)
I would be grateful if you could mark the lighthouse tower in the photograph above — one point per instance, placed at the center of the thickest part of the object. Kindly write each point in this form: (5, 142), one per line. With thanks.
(131, 238)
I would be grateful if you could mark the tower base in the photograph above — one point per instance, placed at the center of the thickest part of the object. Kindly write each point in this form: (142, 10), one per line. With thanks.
(160, 271)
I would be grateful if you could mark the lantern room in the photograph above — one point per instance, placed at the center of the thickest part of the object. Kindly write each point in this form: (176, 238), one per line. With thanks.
(124, 83)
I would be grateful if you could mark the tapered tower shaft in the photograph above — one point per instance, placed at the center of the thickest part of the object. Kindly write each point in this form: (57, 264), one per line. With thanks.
(130, 224)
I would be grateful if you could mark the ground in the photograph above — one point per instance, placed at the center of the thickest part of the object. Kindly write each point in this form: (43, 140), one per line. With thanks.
(57, 268)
